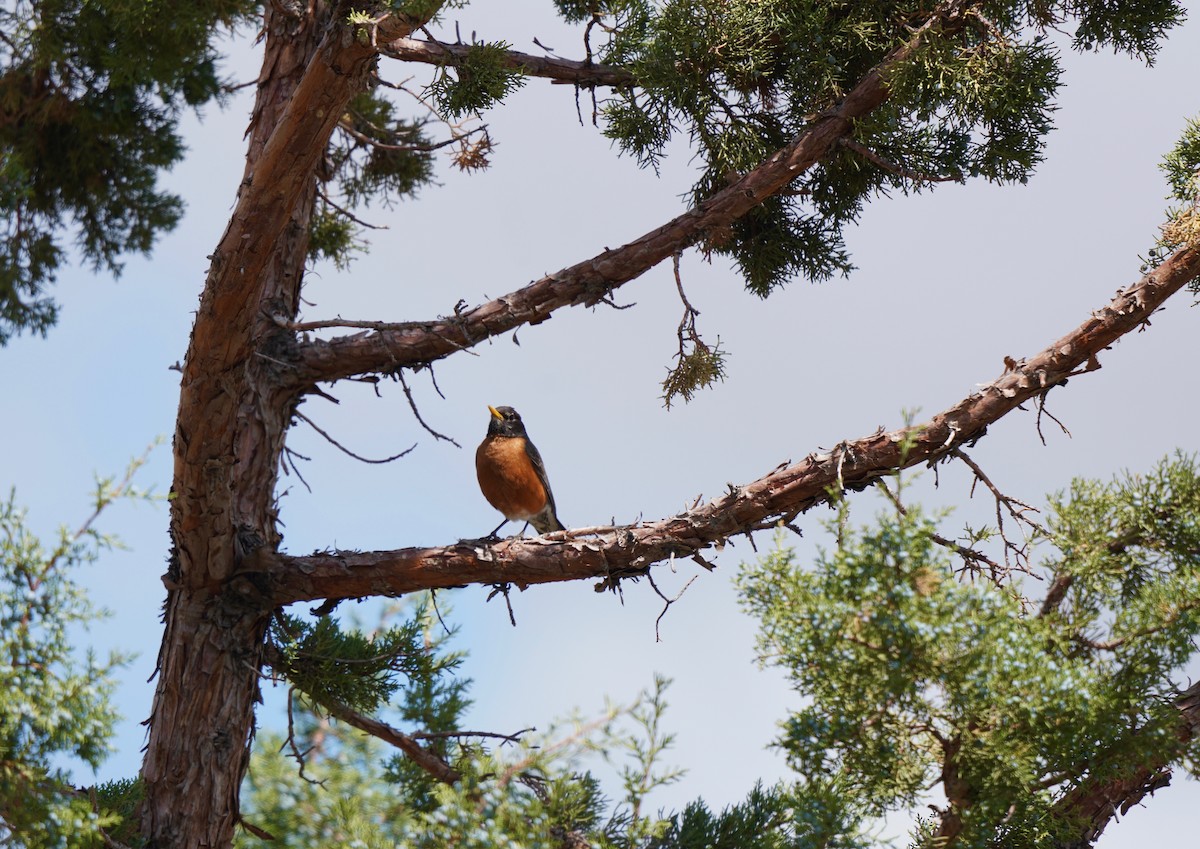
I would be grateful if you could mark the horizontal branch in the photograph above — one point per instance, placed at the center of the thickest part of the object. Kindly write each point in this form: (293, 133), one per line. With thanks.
(613, 552)
(560, 70)
(591, 281)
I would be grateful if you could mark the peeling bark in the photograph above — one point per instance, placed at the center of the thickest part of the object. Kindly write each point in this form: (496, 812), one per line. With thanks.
(233, 415)
(615, 551)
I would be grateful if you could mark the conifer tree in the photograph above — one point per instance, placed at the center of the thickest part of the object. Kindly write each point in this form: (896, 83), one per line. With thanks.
(799, 114)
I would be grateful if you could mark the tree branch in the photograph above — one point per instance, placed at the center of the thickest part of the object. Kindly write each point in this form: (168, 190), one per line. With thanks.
(1095, 803)
(415, 752)
(582, 73)
(592, 280)
(615, 552)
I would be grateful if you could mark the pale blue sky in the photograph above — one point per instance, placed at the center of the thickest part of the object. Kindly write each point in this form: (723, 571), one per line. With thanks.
(947, 285)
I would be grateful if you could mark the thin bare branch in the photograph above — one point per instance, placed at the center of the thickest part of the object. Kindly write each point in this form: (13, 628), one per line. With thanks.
(515, 737)
(417, 413)
(667, 602)
(346, 450)
(899, 170)
(580, 73)
(971, 557)
(415, 752)
(1015, 508)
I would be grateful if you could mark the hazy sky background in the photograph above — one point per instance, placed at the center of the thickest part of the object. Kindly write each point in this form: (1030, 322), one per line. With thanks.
(947, 284)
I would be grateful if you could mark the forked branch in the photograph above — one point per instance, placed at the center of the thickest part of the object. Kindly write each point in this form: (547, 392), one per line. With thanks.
(591, 281)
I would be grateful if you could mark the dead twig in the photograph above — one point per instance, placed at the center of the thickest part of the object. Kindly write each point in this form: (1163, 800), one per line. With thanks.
(667, 602)
(346, 450)
(1018, 510)
(413, 406)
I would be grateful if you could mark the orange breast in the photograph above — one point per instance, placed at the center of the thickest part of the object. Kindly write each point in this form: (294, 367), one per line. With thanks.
(508, 479)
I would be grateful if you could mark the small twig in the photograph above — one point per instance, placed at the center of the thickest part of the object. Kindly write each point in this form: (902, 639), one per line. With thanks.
(433, 380)
(687, 324)
(438, 613)
(290, 742)
(427, 147)
(346, 450)
(667, 601)
(515, 737)
(899, 170)
(413, 406)
(1017, 509)
(502, 589)
(329, 201)
(302, 326)
(970, 556)
(1053, 418)
(580, 733)
(288, 457)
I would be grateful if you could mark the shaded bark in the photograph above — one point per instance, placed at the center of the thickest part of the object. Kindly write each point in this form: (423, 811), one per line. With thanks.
(233, 416)
(609, 552)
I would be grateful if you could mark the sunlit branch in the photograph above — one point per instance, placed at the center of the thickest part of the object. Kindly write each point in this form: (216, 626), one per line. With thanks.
(592, 280)
(618, 551)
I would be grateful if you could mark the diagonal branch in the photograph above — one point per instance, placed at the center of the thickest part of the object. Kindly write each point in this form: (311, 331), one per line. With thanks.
(580, 73)
(592, 280)
(614, 552)
(1096, 802)
(415, 752)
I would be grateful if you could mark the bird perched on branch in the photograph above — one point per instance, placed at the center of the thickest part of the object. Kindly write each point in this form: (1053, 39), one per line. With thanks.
(512, 475)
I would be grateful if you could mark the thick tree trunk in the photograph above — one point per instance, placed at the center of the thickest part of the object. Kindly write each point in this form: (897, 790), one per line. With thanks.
(228, 439)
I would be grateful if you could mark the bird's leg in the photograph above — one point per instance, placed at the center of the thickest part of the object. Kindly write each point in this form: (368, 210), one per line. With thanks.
(496, 533)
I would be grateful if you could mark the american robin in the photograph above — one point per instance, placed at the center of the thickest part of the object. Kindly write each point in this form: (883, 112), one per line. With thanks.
(512, 475)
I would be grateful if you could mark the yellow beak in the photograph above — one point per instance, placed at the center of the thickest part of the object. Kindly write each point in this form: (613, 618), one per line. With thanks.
(495, 413)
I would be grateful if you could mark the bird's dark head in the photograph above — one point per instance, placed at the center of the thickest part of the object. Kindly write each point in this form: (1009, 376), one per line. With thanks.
(505, 421)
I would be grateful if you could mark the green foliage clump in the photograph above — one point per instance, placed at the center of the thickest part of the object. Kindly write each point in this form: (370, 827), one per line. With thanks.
(742, 79)
(376, 157)
(529, 791)
(913, 677)
(1182, 168)
(780, 817)
(336, 667)
(53, 703)
(695, 369)
(477, 82)
(90, 98)
(1134, 28)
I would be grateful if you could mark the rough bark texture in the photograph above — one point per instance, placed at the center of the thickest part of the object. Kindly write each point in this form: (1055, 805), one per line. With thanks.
(614, 551)
(551, 67)
(233, 416)
(593, 279)
(246, 369)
